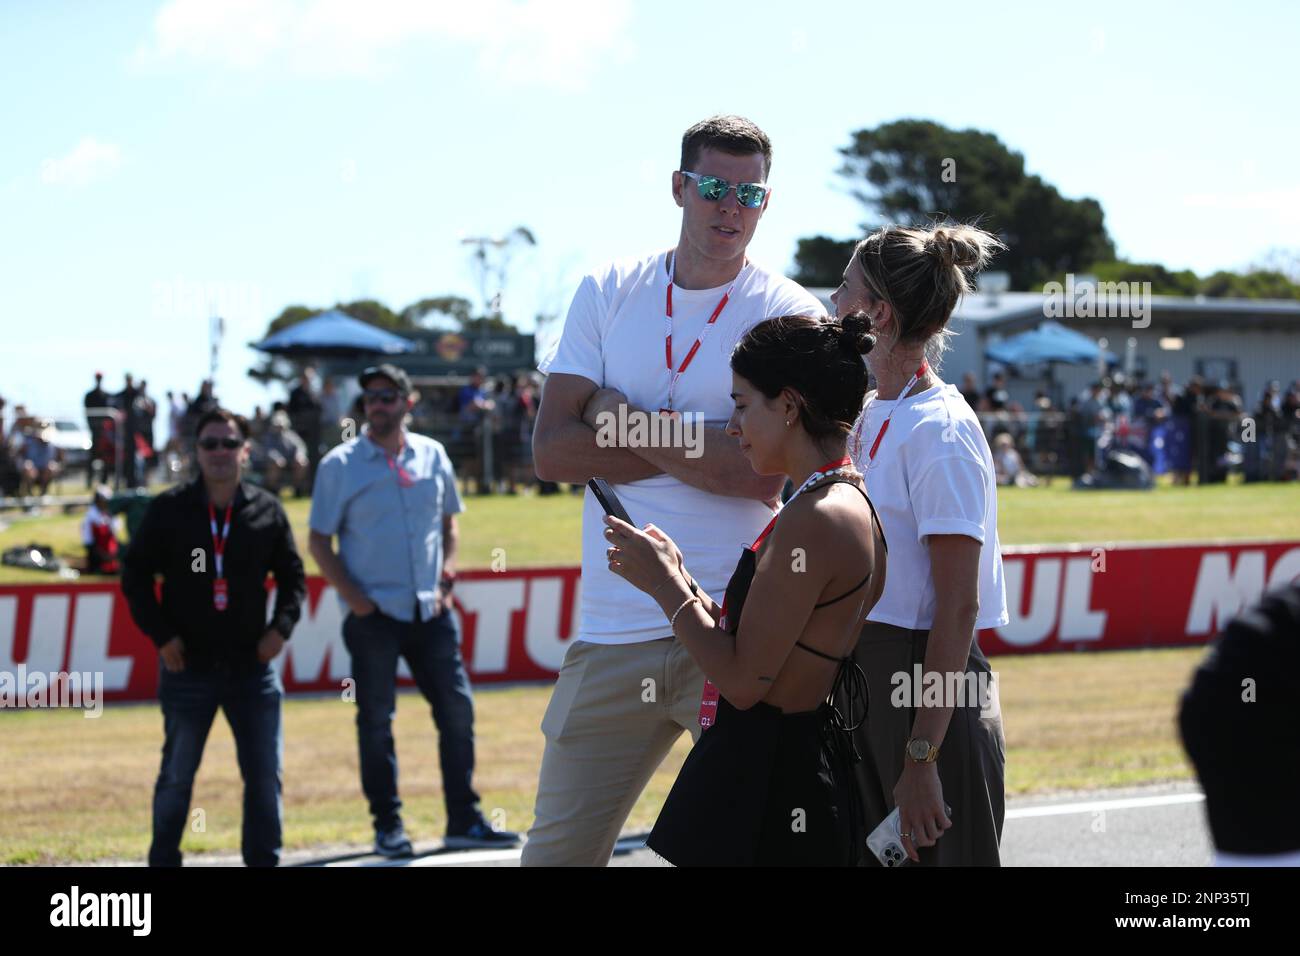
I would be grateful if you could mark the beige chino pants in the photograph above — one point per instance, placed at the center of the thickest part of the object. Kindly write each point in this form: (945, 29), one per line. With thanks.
(616, 711)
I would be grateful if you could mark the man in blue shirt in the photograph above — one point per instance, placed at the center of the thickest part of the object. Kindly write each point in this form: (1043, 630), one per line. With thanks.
(390, 496)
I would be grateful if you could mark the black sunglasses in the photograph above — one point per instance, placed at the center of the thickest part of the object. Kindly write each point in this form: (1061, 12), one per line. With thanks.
(385, 395)
(212, 444)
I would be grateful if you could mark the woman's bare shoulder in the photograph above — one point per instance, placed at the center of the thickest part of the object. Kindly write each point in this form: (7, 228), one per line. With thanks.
(835, 510)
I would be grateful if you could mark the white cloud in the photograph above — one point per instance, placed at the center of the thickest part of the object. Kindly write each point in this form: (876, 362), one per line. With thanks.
(89, 160)
(554, 42)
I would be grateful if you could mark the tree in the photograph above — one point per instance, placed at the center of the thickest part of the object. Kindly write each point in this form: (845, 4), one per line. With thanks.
(819, 261)
(1256, 284)
(913, 171)
(292, 315)
(452, 306)
(375, 313)
(1253, 284)
(415, 316)
(1163, 281)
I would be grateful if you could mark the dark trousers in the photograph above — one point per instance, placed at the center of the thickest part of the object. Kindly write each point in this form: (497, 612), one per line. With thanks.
(251, 702)
(972, 758)
(432, 652)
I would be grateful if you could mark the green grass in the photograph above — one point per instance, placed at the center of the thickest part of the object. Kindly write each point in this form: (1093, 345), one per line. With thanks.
(1169, 513)
(537, 531)
(77, 790)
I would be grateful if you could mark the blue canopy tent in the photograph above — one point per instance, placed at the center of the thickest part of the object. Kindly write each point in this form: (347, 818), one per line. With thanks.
(334, 334)
(1046, 345)
(1050, 342)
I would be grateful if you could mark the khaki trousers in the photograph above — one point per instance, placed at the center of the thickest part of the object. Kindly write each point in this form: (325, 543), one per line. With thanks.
(616, 711)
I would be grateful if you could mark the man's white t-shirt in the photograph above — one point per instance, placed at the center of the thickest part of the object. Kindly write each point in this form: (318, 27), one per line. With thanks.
(932, 474)
(614, 336)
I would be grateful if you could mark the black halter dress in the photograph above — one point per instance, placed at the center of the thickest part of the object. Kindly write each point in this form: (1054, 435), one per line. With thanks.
(763, 787)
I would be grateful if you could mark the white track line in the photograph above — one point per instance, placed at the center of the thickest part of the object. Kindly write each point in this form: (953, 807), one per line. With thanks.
(1130, 803)
(1051, 810)
(468, 856)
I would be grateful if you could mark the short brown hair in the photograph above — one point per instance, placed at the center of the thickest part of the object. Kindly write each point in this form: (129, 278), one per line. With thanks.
(728, 134)
(222, 415)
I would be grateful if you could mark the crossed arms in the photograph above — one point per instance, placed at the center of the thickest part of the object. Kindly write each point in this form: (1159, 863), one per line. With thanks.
(565, 447)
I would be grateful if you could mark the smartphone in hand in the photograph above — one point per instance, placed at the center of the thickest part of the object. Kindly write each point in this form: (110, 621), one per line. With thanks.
(604, 493)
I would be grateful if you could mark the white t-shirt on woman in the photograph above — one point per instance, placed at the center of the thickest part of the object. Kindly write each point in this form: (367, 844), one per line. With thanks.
(933, 474)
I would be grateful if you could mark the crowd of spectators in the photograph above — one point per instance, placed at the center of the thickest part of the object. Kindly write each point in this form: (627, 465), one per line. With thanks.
(1201, 429)
(492, 430)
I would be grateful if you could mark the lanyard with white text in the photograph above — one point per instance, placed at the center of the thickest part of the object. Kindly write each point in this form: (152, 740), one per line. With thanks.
(709, 699)
(220, 591)
(668, 341)
(875, 445)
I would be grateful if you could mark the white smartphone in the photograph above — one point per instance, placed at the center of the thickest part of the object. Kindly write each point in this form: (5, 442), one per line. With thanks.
(886, 840)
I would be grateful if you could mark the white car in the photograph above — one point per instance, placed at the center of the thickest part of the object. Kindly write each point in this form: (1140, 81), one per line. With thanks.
(72, 438)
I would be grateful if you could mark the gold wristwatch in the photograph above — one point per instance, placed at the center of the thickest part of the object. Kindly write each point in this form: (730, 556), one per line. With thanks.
(922, 751)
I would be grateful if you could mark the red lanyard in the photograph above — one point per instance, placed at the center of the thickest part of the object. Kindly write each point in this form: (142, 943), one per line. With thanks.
(404, 478)
(820, 473)
(709, 699)
(668, 341)
(219, 540)
(875, 445)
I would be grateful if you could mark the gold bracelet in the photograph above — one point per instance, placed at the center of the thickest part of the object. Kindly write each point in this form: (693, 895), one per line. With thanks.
(672, 621)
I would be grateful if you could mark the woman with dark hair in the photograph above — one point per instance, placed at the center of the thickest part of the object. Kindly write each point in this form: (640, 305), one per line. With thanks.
(770, 781)
(933, 733)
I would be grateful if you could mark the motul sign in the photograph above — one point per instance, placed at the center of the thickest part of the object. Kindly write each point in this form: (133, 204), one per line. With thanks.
(1131, 596)
(517, 625)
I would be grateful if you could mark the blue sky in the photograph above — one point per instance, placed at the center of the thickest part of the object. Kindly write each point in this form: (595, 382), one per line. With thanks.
(161, 155)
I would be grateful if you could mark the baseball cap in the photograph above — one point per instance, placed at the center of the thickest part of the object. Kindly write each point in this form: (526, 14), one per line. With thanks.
(388, 371)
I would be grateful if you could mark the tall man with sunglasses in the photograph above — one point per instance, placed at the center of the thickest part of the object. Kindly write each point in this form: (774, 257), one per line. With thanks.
(654, 335)
(390, 496)
(214, 541)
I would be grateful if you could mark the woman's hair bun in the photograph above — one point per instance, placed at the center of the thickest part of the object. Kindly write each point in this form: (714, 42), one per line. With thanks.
(854, 333)
(959, 246)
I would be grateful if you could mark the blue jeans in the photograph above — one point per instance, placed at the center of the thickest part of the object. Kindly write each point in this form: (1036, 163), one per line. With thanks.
(432, 652)
(251, 702)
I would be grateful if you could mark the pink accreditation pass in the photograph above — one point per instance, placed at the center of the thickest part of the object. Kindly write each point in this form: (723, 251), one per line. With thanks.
(708, 705)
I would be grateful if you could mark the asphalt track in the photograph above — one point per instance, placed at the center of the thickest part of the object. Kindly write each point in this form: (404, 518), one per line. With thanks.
(1147, 826)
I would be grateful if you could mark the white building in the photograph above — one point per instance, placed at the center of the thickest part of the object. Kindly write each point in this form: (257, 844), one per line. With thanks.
(1248, 342)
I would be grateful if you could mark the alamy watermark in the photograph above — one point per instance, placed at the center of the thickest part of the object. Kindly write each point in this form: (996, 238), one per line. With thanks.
(196, 300)
(921, 688)
(1090, 299)
(633, 428)
(38, 690)
(129, 910)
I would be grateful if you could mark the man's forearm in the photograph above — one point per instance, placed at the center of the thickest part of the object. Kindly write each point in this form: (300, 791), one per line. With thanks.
(716, 465)
(331, 565)
(570, 453)
(450, 545)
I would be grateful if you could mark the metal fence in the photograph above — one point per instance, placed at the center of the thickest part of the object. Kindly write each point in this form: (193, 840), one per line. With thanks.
(1208, 445)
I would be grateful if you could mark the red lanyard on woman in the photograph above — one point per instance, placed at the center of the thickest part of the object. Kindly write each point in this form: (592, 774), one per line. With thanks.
(709, 699)
(220, 591)
(875, 445)
(826, 469)
(668, 341)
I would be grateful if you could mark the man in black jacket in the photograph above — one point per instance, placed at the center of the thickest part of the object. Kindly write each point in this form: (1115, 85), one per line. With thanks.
(214, 541)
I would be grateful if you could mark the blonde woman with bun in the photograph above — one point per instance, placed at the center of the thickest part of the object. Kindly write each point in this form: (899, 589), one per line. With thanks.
(929, 472)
